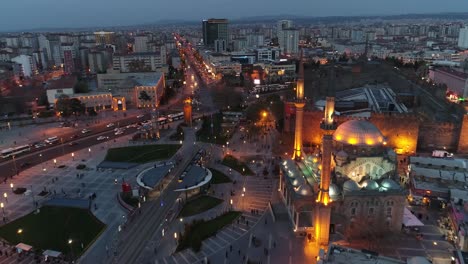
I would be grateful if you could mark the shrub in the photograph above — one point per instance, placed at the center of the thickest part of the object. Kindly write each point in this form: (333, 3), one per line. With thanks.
(80, 167)
(19, 190)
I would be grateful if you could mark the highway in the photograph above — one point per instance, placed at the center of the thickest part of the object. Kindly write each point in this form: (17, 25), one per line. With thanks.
(133, 238)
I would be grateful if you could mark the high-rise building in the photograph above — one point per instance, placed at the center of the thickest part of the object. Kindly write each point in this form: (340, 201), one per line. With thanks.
(103, 37)
(463, 38)
(97, 62)
(68, 54)
(220, 45)
(138, 62)
(28, 67)
(141, 43)
(214, 29)
(288, 37)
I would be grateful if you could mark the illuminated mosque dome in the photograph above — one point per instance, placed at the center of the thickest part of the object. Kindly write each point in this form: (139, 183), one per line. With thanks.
(350, 186)
(389, 184)
(334, 192)
(358, 133)
(370, 185)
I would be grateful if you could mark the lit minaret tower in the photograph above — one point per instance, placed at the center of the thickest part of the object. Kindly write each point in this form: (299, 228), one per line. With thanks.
(323, 212)
(299, 103)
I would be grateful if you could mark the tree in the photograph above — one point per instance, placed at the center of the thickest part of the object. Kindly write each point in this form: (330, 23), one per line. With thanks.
(81, 87)
(144, 96)
(69, 106)
(92, 112)
(43, 99)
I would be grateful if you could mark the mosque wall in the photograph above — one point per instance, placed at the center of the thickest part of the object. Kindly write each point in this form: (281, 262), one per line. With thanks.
(404, 132)
(463, 136)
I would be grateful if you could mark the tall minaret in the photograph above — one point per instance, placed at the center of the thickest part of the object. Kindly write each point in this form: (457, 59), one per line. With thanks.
(299, 103)
(328, 126)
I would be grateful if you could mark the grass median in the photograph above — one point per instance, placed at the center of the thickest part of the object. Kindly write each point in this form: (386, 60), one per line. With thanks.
(141, 154)
(200, 230)
(199, 205)
(219, 177)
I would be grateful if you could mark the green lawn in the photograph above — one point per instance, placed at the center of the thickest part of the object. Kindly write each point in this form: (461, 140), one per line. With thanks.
(198, 231)
(53, 227)
(141, 154)
(237, 165)
(199, 205)
(219, 177)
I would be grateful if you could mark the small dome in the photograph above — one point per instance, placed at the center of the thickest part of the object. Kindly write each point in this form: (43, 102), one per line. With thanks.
(350, 186)
(334, 191)
(342, 154)
(418, 260)
(358, 133)
(370, 185)
(389, 184)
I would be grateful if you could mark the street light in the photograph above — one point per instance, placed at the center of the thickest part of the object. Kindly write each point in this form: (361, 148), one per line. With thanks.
(11, 186)
(55, 163)
(73, 155)
(6, 196)
(3, 210)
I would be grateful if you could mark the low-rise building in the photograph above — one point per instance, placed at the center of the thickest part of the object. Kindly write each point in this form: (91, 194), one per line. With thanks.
(112, 80)
(456, 81)
(58, 87)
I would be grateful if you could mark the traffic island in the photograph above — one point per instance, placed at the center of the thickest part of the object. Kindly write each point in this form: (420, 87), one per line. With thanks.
(65, 229)
(199, 230)
(237, 165)
(199, 205)
(141, 154)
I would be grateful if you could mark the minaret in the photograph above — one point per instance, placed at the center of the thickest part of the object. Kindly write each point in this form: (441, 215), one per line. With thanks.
(328, 126)
(299, 103)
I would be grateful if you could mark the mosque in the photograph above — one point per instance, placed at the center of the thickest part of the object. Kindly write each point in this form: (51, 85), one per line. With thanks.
(347, 186)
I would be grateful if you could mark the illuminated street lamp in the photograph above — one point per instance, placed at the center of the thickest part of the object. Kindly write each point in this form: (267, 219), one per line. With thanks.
(11, 186)
(19, 232)
(73, 155)
(5, 195)
(55, 163)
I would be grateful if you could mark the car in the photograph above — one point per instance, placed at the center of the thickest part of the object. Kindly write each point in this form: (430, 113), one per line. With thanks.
(110, 125)
(25, 164)
(84, 131)
(117, 129)
(119, 132)
(40, 145)
(140, 116)
(102, 138)
(72, 144)
(74, 136)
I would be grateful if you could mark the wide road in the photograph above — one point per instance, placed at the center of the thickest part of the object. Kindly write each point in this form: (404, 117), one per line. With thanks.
(133, 238)
(81, 141)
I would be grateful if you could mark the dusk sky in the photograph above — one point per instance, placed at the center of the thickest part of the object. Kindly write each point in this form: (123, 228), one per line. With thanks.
(31, 14)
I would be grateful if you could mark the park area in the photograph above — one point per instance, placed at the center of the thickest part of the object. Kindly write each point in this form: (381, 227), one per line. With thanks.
(212, 134)
(199, 205)
(141, 154)
(237, 165)
(65, 229)
(200, 230)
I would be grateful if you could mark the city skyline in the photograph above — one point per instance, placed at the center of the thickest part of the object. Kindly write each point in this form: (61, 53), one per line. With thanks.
(90, 14)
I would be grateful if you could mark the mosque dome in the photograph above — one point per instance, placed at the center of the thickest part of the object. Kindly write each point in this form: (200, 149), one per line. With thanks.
(358, 133)
(334, 192)
(370, 185)
(350, 186)
(389, 184)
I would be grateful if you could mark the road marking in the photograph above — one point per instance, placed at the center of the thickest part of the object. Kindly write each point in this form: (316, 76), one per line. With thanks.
(224, 232)
(175, 260)
(208, 246)
(290, 259)
(250, 240)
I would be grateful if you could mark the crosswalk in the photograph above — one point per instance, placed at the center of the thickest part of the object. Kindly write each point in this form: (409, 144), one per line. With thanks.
(258, 195)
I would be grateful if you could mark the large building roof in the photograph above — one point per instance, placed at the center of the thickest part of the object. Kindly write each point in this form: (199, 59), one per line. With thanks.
(358, 133)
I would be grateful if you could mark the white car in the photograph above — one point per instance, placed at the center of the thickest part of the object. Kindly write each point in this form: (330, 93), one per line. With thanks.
(84, 131)
(110, 125)
(102, 138)
(119, 132)
(140, 116)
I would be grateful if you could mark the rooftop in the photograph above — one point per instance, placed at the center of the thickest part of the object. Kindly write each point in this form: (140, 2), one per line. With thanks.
(455, 73)
(62, 83)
